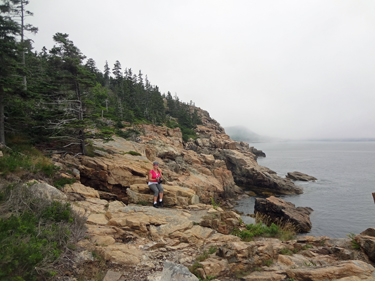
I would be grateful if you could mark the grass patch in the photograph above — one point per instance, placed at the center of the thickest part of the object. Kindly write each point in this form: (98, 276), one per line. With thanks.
(143, 203)
(214, 204)
(212, 250)
(268, 262)
(307, 246)
(353, 242)
(262, 230)
(26, 158)
(37, 235)
(134, 153)
(60, 183)
(286, 251)
(200, 258)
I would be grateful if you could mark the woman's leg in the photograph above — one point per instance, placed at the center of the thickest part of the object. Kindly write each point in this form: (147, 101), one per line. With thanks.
(155, 189)
(161, 190)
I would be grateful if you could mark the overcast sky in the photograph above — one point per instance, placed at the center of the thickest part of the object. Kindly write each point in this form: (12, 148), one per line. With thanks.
(289, 69)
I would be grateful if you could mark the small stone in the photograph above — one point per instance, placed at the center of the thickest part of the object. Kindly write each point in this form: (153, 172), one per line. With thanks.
(112, 276)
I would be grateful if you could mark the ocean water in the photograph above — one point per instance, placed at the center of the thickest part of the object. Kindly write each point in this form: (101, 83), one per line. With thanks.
(341, 197)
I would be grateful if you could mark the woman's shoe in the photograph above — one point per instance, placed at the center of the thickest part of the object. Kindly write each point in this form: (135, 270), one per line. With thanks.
(161, 204)
(156, 205)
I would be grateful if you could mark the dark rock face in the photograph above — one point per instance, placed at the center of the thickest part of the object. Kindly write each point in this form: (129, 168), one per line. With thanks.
(367, 242)
(257, 152)
(278, 209)
(298, 176)
(247, 172)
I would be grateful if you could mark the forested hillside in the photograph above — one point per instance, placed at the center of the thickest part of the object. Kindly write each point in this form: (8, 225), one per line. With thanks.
(58, 94)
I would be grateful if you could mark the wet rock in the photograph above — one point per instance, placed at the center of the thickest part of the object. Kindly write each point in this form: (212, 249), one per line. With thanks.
(280, 210)
(298, 176)
(257, 152)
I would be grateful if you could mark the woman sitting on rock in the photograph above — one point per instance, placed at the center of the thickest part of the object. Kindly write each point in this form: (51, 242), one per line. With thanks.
(154, 183)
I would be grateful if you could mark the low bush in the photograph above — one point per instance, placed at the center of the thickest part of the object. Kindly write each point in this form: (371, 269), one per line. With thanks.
(36, 236)
(131, 134)
(60, 183)
(26, 158)
(260, 229)
(134, 153)
(354, 243)
(286, 251)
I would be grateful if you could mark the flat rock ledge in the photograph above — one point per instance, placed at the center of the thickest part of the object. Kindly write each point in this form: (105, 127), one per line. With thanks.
(298, 176)
(279, 210)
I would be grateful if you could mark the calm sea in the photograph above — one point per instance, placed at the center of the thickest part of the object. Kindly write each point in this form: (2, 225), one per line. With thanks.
(341, 197)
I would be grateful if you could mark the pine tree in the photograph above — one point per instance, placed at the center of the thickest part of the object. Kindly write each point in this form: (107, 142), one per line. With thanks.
(76, 82)
(18, 11)
(9, 48)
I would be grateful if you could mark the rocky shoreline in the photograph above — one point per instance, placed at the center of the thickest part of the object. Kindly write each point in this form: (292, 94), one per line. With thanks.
(128, 239)
(136, 242)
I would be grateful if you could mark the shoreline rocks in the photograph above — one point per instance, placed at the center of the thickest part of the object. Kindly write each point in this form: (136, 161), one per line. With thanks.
(284, 212)
(298, 176)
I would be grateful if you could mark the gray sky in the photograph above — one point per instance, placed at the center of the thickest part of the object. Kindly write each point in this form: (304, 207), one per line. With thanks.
(289, 69)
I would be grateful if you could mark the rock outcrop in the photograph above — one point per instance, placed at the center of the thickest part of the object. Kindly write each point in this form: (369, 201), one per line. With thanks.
(281, 211)
(143, 243)
(211, 165)
(298, 176)
(173, 195)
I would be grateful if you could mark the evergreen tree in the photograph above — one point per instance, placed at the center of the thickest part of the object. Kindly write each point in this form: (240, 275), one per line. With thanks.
(74, 90)
(107, 73)
(9, 48)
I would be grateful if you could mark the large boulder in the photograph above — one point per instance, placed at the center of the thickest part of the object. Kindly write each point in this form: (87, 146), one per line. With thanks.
(280, 210)
(367, 242)
(247, 172)
(44, 190)
(176, 272)
(298, 176)
(80, 189)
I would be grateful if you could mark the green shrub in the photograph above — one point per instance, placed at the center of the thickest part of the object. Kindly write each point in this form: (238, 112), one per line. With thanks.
(267, 262)
(214, 204)
(134, 153)
(354, 243)
(128, 134)
(286, 251)
(34, 239)
(212, 250)
(307, 246)
(143, 203)
(26, 158)
(259, 229)
(60, 183)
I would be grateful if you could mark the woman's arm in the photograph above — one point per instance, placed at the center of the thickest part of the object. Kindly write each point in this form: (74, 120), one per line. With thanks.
(161, 175)
(150, 176)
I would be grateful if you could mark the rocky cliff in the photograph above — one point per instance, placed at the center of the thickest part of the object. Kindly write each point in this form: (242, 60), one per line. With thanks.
(127, 241)
(213, 165)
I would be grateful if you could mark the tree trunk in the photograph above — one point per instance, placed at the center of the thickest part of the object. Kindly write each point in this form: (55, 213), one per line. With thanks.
(23, 45)
(2, 121)
(80, 117)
